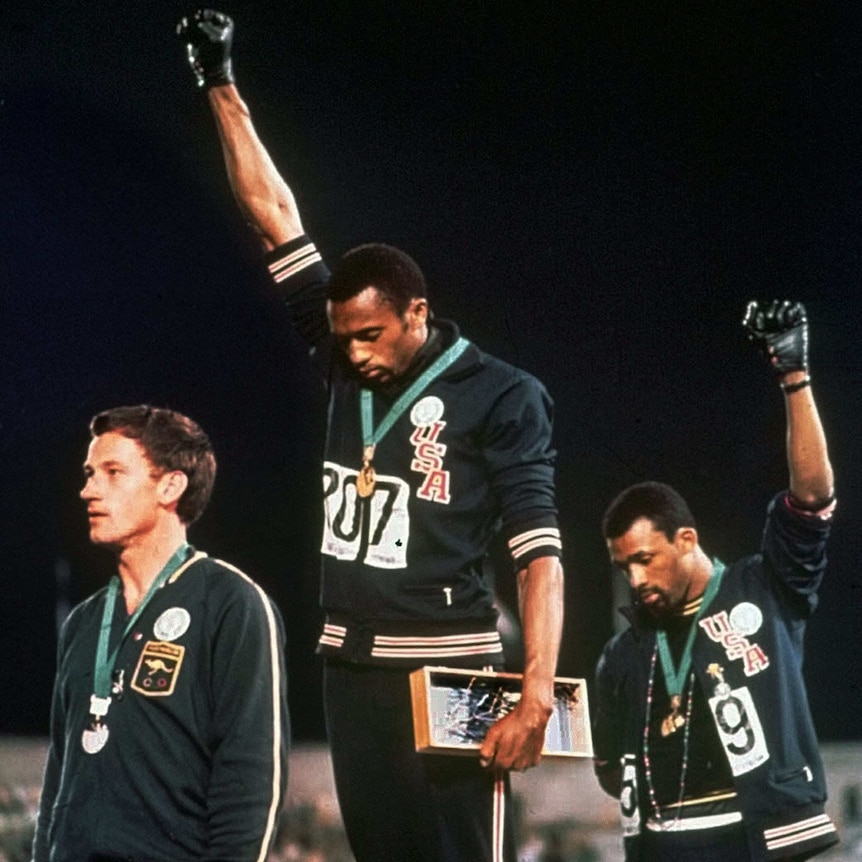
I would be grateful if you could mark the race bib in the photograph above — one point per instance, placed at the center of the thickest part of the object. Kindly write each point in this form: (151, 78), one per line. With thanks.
(374, 531)
(739, 730)
(630, 816)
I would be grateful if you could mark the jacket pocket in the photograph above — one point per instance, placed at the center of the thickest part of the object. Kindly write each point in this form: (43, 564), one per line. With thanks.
(437, 593)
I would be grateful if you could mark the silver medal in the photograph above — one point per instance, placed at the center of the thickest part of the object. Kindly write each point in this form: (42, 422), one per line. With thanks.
(93, 739)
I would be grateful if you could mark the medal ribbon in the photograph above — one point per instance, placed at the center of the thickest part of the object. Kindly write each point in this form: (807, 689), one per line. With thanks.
(370, 435)
(104, 666)
(674, 677)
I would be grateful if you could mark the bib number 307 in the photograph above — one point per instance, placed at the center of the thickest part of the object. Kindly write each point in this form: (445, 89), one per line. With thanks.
(374, 530)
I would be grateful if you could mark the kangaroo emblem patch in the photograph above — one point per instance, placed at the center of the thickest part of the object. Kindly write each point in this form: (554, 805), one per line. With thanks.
(158, 669)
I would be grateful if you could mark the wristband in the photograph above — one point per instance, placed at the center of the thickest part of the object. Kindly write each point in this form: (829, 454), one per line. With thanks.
(817, 507)
(795, 387)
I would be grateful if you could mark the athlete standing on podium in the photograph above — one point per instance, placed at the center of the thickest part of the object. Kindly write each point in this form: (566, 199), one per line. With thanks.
(432, 445)
(702, 728)
(169, 723)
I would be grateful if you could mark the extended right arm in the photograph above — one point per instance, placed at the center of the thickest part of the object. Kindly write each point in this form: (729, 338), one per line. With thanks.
(264, 198)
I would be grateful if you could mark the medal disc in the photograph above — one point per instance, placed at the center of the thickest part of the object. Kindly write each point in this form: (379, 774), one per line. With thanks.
(667, 726)
(93, 739)
(365, 481)
(674, 721)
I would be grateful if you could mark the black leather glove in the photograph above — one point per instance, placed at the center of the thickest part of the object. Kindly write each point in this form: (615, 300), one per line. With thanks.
(780, 330)
(208, 36)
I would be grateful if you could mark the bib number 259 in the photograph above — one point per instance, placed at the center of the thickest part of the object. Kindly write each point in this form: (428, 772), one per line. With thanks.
(739, 730)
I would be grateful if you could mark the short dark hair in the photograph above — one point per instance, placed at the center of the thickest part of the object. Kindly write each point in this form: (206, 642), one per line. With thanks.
(662, 505)
(171, 442)
(393, 272)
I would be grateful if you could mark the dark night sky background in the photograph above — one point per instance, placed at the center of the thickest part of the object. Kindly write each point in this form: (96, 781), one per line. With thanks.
(593, 193)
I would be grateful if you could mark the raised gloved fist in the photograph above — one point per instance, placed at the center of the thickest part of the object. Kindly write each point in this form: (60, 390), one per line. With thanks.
(208, 36)
(779, 328)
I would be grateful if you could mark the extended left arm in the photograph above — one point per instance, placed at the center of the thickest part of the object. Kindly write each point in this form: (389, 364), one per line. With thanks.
(780, 329)
(811, 477)
(516, 741)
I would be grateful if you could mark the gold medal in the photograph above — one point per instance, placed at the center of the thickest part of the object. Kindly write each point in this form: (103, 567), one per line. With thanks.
(365, 481)
(674, 721)
(365, 477)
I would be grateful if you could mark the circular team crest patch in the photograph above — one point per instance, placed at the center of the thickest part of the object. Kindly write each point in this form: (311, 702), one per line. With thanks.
(173, 623)
(426, 410)
(746, 618)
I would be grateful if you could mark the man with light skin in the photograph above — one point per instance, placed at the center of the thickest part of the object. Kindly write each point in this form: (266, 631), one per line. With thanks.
(701, 726)
(133, 508)
(431, 444)
(169, 724)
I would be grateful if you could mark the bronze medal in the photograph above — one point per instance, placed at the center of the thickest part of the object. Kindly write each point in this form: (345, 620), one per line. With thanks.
(674, 721)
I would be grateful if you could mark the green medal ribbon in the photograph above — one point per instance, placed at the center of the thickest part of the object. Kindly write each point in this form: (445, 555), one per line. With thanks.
(104, 665)
(370, 435)
(674, 677)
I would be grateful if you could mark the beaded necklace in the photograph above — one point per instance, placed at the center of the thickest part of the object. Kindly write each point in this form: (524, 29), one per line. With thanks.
(685, 739)
(674, 680)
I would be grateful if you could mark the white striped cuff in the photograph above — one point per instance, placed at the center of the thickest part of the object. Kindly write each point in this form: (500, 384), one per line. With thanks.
(797, 833)
(528, 541)
(333, 635)
(294, 262)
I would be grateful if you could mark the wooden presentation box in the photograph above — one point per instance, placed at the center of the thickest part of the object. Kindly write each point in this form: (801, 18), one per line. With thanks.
(453, 709)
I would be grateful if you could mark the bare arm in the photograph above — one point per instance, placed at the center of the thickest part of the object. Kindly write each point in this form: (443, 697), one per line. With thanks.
(811, 478)
(780, 330)
(264, 198)
(516, 741)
